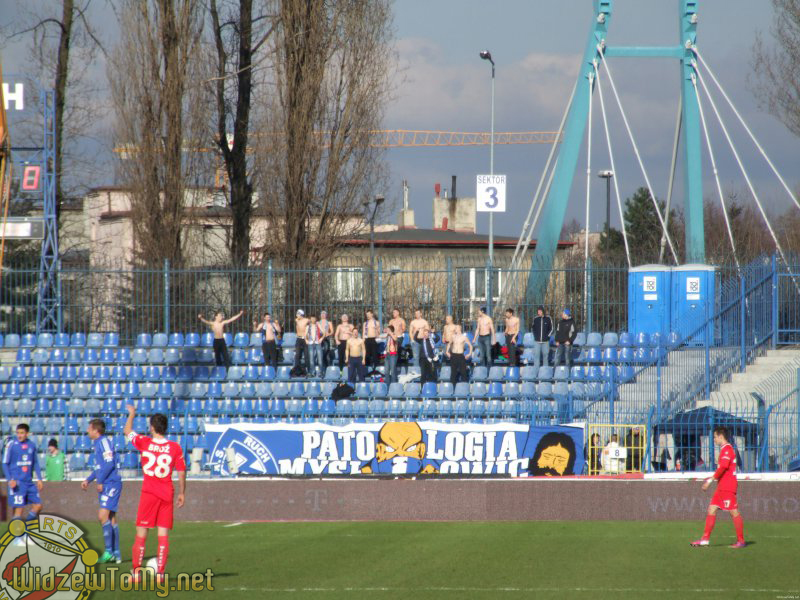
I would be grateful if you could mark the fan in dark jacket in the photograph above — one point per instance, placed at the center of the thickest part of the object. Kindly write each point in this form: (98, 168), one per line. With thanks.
(542, 328)
(565, 335)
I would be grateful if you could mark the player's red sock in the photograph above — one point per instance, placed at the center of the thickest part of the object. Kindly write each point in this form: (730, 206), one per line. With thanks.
(138, 551)
(738, 523)
(710, 521)
(163, 552)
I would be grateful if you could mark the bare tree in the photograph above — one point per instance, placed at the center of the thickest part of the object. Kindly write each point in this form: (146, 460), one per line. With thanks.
(776, 69)
(749, 232)
(332, 61)
(238, 36)
(156, 111)
(66, 46)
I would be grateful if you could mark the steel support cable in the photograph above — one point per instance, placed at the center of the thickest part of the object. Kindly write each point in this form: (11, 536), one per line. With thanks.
(741, 165)
(716, 174)
(746, 127)
(613, 165)
(671, 183)
(638, 156)
(588, 197)
(535, 209)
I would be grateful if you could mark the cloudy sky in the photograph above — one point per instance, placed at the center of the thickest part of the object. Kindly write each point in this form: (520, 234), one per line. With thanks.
(442, 84)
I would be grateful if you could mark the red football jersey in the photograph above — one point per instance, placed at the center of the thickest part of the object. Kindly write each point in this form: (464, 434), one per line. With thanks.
(726, 471)
(160, 457)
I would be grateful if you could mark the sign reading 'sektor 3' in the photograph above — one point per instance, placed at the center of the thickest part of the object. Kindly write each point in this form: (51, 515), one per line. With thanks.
(395, 447)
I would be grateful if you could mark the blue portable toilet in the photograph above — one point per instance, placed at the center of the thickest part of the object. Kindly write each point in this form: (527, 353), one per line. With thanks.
(649, 293)
(693, 301)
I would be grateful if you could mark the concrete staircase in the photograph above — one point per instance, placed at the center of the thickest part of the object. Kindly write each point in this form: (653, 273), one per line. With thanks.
(772, 376)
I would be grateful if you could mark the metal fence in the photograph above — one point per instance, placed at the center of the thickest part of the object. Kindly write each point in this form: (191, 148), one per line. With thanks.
(132, 301)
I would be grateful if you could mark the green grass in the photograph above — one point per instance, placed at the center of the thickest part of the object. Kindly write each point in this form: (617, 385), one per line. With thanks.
(481, 560)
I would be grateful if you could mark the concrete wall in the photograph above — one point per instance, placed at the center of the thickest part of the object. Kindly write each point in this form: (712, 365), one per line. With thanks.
(440, 500)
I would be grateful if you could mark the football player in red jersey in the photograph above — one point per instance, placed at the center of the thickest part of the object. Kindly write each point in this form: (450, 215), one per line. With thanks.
(725, 495)
(160, 457)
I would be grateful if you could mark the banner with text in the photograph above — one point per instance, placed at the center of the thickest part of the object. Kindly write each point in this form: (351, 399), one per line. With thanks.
(395, 447)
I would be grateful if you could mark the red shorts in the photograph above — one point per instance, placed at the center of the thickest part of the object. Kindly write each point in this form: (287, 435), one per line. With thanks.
(724, 500)
(154, 512)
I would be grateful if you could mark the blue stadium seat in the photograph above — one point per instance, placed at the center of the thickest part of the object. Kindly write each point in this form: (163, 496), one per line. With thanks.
(45, 340)
(61, 340)
(92, 406)
(478, 389)
(412, 390)
(332, 373)
(241, 340)
(626, 355)
(102, 373)
(40, 356)
(529, 373)
(41, 406)
(428, 409)
(5, 373)
(480, 373)
(74, 356)
(139, 356)
(511, 374)
(23, 355)
(610, 355)
(396, 390)
(462, 390)
(11, 340)
(111, 339)
(283, 373)
(673, 340)
(380, 390)
(642, 355)
(496, 374)
(460, 408)
(94, 340)
(155, 355)
(130, 460)
(175, 340)
(594, 339)
(642, 340)
(172, 356)
(610, 339)
(255, 356)
(289, 339)
(580, 339)
(594, 355)
(28, 340)
(544, 389)
(144, 340)
(512, 390)
(626, 373)
(577, 373)
(218, 374)
(160, 340)
(251, 373)
(90, 355)
(234, 374)
(561, 373)
(444, 373)
(207, 339)
(123, 355)
(445, 390)
(495, 390)
(77, 461)
(528, 340)
(24, 406)
(411, 408)
(594, 373)
(429, 390)
(268, 373)
(545, 374)
(191, 340)
(263, 389)
(280, 389)
(256, 339)
(164, 389)
(655, 340)
(57, 355)
(477, 409)
(626, 340)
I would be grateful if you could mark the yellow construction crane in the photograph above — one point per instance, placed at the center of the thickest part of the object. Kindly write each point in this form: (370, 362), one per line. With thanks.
(415, 138)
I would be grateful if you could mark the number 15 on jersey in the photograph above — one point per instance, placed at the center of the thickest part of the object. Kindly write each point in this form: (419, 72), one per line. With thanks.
(491, 194)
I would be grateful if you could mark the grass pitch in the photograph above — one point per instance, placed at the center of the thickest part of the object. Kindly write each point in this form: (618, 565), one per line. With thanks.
(510, 560)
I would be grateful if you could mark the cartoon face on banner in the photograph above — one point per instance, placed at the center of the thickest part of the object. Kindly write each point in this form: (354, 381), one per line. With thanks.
(554, 455)
(400, 449)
